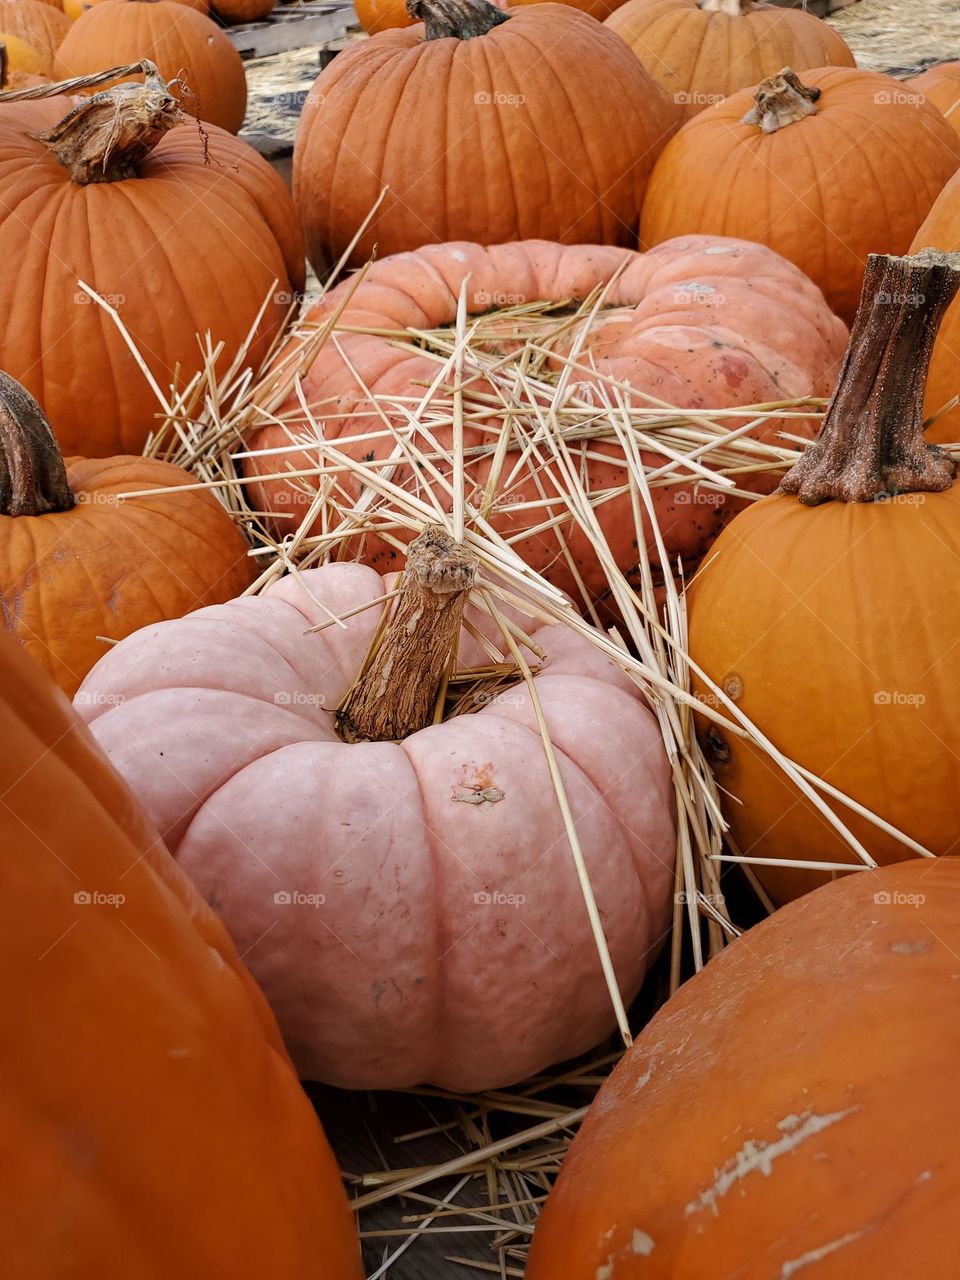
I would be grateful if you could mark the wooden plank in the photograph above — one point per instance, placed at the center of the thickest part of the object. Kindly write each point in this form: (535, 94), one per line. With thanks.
(295, 29)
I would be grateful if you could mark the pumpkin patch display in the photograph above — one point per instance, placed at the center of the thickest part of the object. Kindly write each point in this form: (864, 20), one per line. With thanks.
(185, 45)
(155, 1112)
(819, 1156)
(80, 562)
(830, 608)
(40, 25)
(181, 234)
(405, 895)
(775, 177)
(941, 230)
(701, 51)
(698, 322)
(380, 116)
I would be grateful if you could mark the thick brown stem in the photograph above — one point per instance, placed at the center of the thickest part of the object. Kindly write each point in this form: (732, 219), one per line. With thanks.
(871, 443)
(461, 19)
(33, 479)
(781, 100)
(4, 65)
(733, 8)
(105, 138)
(395, 693)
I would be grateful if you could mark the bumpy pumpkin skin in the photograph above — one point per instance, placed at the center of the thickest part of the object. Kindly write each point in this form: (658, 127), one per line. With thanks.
(109, 567)
(548, 72)
(39, 24)
(787, 190)
(700, 56)
(941, 230)
(941, 86)
(213, 236)
(779, 605)
(699, 323)
(178, 39)
(156, 1074)
(768, 1122)
(402, 974)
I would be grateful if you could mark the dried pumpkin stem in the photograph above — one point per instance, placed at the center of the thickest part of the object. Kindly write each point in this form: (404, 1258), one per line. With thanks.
(4, 64)
(395, 693)
(106, 138)
(781, 100)
(871, 444)
(733, 8)
(461, 19)
(33, 479)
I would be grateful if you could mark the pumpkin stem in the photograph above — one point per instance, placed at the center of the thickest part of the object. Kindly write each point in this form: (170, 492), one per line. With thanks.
(871, 443)
(4, 64)
(781, 100)
(33, 479)
(105, 138)
(461, 19)
(733, 8)
(395, 693)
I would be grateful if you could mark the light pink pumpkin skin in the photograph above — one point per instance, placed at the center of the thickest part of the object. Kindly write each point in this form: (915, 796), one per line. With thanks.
(702, 322)
(405, 972)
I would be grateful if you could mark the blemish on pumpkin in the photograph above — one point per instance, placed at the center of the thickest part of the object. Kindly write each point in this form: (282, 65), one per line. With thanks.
(716, 746)
(817, 1255)
(733, 686)
(642, 1244)
(916, 948)
(480, 789)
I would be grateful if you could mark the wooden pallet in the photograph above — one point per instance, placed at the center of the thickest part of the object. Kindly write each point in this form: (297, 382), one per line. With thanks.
(294, 26)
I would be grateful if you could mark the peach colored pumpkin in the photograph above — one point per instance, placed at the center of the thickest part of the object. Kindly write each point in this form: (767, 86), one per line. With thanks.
(788, 1115)
(699, 322)
(411, 909)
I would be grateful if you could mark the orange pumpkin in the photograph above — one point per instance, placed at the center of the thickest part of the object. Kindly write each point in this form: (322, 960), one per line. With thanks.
(775, 1118)
(831, 621)
(155, 1113)
(941, 230)
(183, 43)
(80, 562)
(19, 59)
(557, 128)
(941, 86)
(701, 51)
(185, 238)
(41, 25)
(696, 323)
(776, 175)
(74, 8)
(236, 11)
(381, 15)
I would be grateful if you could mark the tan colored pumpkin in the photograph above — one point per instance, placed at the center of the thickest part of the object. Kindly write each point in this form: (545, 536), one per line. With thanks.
(80, 562)
(180, 41)
(40, 25)
(941, 230)
(941, 86)
(158, 1126)
(775, 176)
(182, 234)
(701, 51)
(788, 1113)
(557, 128)
(828, 611)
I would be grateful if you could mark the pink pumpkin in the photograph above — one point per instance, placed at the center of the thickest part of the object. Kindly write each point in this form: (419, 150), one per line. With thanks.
(699, 322)
(411, 908)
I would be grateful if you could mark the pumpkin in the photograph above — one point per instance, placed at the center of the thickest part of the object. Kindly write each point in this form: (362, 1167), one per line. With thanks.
(698, 322)
(380, 15)
(80, 562)
(557, 128)
(74, 8)
(941, 86)
(775, 176)
(236, 11)
(21, 59)
(941, 230)
(772, 1119)
(701, 51)
(40, 25)
(184, 44)
(831, 621)
(153, 1107)
(406, 895)
(177, 242)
